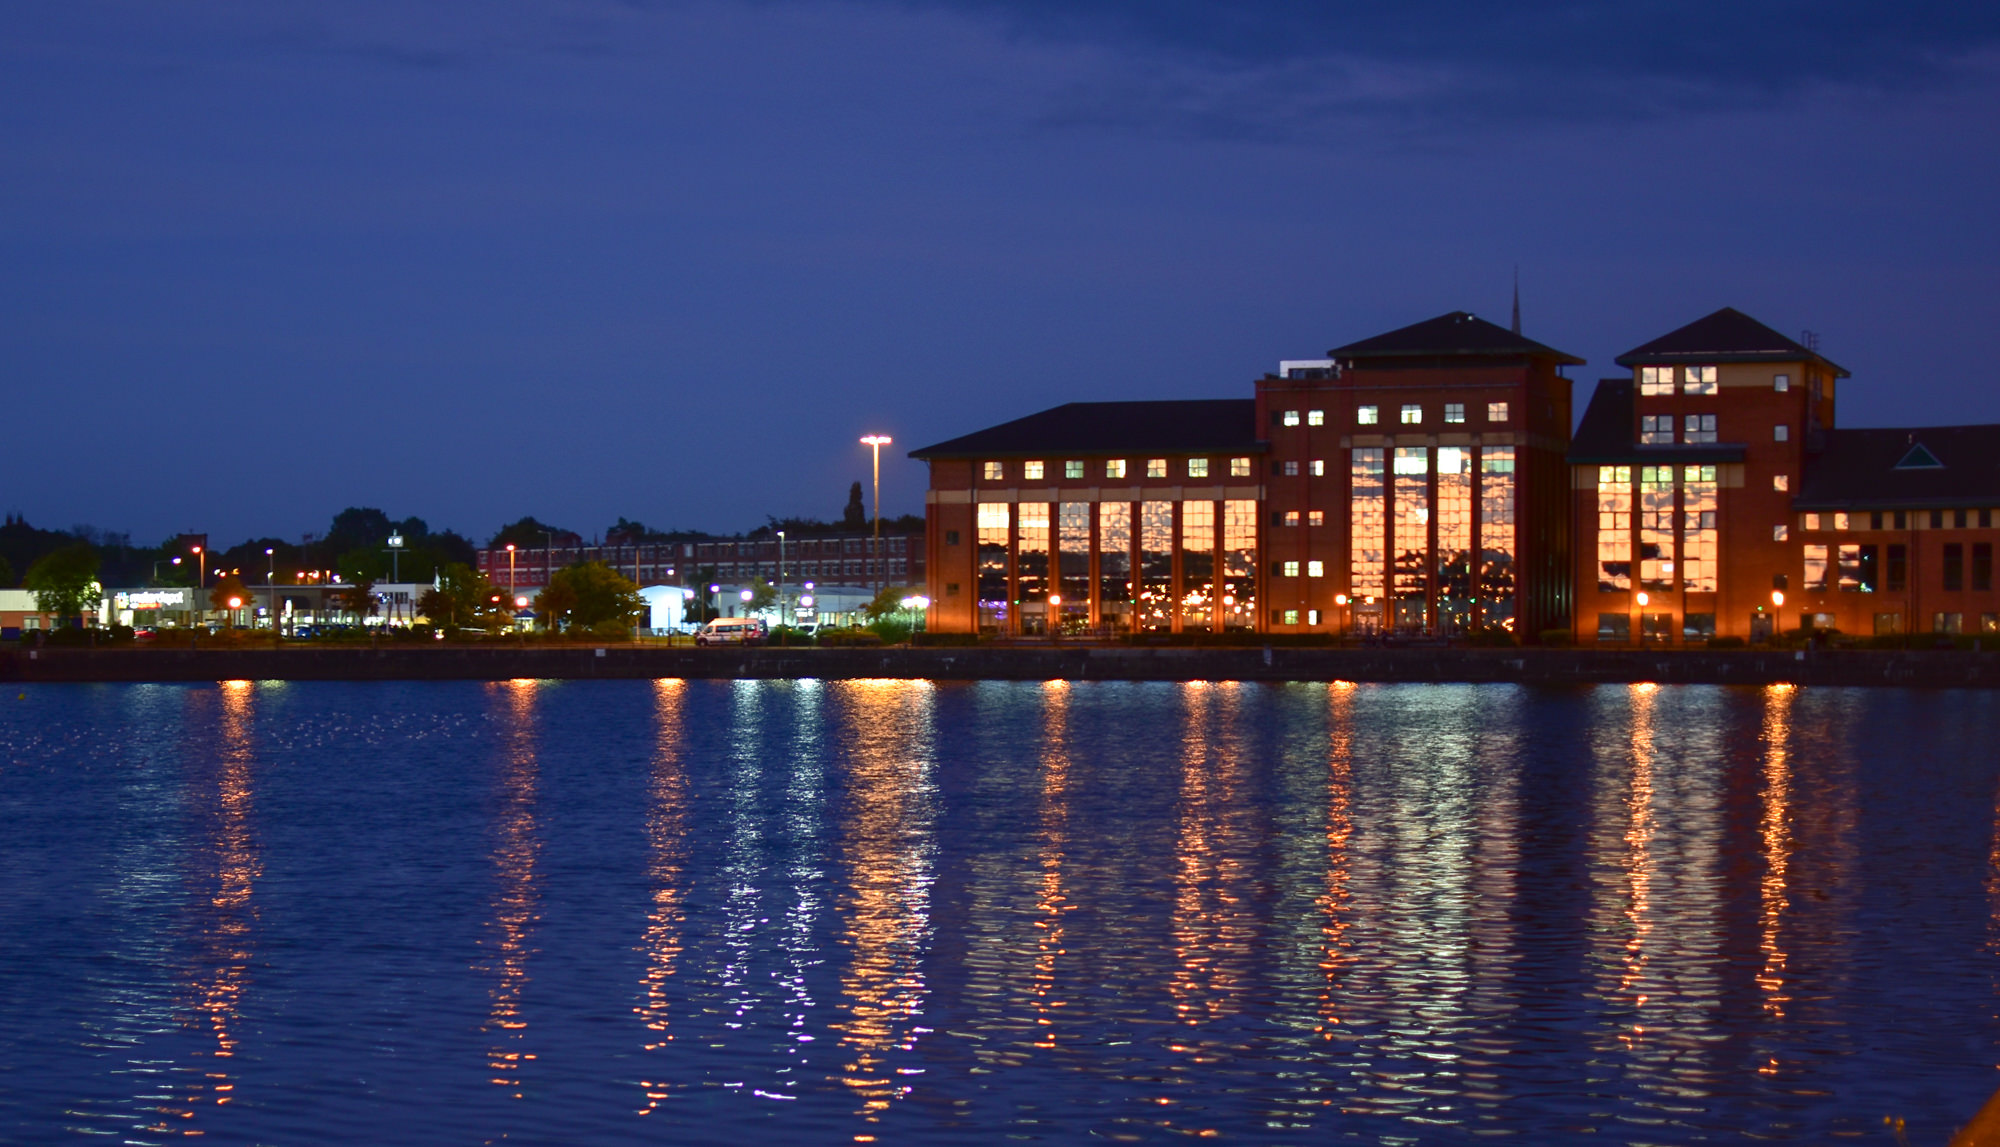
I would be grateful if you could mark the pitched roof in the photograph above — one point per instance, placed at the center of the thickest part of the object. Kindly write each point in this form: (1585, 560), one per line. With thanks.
(1218, 425)
(1459, 334)
(1866, 468)
(1605, 435)
(1728, 335)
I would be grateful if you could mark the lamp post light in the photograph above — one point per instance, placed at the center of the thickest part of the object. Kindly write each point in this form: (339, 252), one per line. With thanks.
(395, 552)
(876, 442)
(510, 569)
(746, 595)
(781, 577)
(714, 596)
(271, 585)
(1643, 599)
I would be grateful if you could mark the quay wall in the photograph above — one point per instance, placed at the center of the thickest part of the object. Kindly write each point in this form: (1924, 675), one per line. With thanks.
(1938, 669)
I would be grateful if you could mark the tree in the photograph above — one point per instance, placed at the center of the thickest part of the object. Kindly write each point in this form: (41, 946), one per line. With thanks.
(763, 595)
(64, 581)
(6, 572)
(463, 599)
(530, 534)
(855, 517)
(361, 569)
(590, 595)
(229, 588)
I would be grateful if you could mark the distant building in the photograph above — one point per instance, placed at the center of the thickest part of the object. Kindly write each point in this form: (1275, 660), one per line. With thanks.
(836, 559)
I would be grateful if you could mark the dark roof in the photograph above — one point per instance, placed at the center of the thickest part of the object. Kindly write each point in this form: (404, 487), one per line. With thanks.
(1459, 334)
(1217, 425)
(1728, 335)
(1863, 468)
(1605, 435)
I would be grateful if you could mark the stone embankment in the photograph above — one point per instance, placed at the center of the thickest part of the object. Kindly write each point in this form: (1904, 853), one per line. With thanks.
(1944, 668)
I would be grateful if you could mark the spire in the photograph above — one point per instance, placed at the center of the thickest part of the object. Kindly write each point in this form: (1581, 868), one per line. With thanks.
(1517, 298)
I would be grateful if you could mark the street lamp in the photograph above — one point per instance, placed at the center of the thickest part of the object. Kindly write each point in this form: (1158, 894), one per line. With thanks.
(1642, 599)
(876, 442)
(271, 584)
(781, 577)
(746, 595)
(395, 552)
(510, 569)
(200, 580)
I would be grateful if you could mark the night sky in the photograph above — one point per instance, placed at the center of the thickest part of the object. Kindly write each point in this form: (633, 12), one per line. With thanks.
(261, 261)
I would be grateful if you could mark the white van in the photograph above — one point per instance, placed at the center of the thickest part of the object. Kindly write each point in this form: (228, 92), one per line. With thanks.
(732, 631)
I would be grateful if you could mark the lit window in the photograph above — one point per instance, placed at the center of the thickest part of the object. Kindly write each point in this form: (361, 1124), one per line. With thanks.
(992, 471)
(1781, 482)
(1781, 382)
(1291, 418)
(1496, 412)
(1367, 415)
(1156, 467)
(1840, 521)
(1315, 517)
(1698, 428)
(1073, 469)
(1454, 412)
(1312, 618)
(1780, 533)
(1816, 567)
(1811, 522)
(1315, 418)
(1031, 471)
(1292, 615)
(1781, 433)
(1412, 414)
(1700, 380)
(1315, 569)
(1291, 569)
(1655, 380)
(1197, 467)
(1655, 429)
(1291, 469)
(1291, 517)
(1319, 467)
(1239, 467)
(1114, 468)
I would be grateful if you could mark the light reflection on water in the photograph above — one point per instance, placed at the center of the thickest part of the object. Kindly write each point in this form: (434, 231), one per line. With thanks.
(903, 911)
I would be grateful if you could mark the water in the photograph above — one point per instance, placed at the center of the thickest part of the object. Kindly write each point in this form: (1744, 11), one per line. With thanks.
(902, 912)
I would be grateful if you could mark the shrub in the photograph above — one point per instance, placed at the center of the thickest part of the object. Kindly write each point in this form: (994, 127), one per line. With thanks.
(1555, 637)
(1727, 643)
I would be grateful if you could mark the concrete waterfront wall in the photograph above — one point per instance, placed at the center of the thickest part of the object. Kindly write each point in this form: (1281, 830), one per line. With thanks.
(1950, 669)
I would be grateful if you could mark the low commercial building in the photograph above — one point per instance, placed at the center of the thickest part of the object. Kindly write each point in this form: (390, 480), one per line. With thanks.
(835, 559)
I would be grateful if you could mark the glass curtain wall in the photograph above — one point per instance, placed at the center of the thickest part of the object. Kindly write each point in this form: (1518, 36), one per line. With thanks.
(1496, 536)
(1031, 565)
(1698, 544)
(1239, 565)
(1367, 507)
(994, 607)
(1614, 528)
(1656, 528)
(1411, 507)
(1197, 565)
(1114, 566)
(1454, 539)
(1073, 566)
(1156, 565)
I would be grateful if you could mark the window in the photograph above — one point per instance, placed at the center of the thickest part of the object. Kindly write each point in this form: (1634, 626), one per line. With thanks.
(1857, 569)
(1315, 517)
(1114, 468)
(1989, 623)
(1413, 414)
(1073, 468)
(1698, 428)
(1958, 519)
(1315, 569)
(1875, 520)
(1197, 467)
(1888, 624)
(1031, 471)
(1982, 566)
(1781, 433)
(1700, 380)
(1815, 568)
(1291, 418)
(992, 471)
(1291, 517)
(1782, 383)
(1291, 569)
(1367, 415)
(1312, 617)
(1811, 522)
(1156, 467)
(1778, 533)
(1656, 380)
(951, 537)
(1902, 520)
(1614, 627)
(1698, 627)
(1954, 566)
(1239, 467)
(1318, 468)
(1952, 623)
(1454, 412)
(1840, 521)
(1899, 567)
(1781, 482)
(1985, 519)
(1291, 469)
(1291, 617)
(1315, 418)
(1496, 412)
(1656, 429)
(1937, 519)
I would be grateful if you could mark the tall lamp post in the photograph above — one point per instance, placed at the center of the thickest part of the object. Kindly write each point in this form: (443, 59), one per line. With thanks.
(271, 585)
(877, 441)
(510, 569)
(781, 577)
(200, 582)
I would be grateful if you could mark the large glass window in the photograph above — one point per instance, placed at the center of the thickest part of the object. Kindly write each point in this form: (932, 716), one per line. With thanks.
(1698, 529)
(1614, 528)
(1197, 565)
(1114, 564)
(1496, 536)
(1156, 565)
(1239, 564)
(995, 607)
(1411, 512)
(1699, 380)
(1367, 505)
(1815, 567)
(1656, 528)
(1073, 565)
(1156, 467)
(1031, 564)
(1454, 539)
(1656, 429)
(1857, 569)
(1656, 380)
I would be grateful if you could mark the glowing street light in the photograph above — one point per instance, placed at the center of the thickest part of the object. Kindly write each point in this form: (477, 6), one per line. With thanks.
(876, 442)
(1777, 597)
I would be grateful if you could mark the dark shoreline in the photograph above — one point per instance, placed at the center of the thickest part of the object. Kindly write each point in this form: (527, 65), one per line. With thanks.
(1931, 669)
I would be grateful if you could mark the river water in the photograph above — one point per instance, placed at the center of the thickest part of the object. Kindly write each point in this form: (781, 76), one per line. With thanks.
(906, 912)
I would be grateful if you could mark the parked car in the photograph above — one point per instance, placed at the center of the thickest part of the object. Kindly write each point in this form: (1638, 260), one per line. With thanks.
(732, 631)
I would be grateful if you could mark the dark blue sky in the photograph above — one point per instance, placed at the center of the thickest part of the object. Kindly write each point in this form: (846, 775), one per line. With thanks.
(469, 261)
